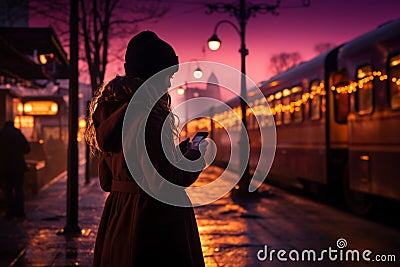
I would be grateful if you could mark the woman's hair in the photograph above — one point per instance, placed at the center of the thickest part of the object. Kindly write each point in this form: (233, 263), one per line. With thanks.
(121, 89)
(146, 55)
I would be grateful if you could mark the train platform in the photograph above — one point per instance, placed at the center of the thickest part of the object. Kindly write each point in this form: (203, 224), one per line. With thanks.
(273, 229)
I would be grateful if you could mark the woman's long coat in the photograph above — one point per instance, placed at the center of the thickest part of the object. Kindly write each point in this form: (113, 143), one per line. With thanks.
(136, 229)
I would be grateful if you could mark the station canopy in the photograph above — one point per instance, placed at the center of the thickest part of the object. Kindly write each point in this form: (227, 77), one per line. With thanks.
(32, 54)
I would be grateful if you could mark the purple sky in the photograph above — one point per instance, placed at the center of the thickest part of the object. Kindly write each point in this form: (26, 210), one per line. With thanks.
(187, 28)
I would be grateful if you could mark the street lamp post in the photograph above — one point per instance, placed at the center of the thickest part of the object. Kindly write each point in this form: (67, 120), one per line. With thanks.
(214, 43)
(242, 13)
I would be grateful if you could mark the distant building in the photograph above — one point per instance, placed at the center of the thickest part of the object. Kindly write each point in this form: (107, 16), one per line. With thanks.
(211, 90)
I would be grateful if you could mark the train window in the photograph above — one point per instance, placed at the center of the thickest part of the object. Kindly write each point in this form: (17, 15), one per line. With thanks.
(277, 106)
(394, 82)
(24, 122)
(364, 93)
(286, 106)
(268, 110)
(28, 126)
(340, 86)
(298, 107)
(315, 99)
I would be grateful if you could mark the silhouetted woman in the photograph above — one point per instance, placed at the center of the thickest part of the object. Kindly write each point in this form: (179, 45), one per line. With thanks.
(135, 228)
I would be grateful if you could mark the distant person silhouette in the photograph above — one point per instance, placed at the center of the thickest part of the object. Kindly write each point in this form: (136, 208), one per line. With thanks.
(137, 229)
(13, 145)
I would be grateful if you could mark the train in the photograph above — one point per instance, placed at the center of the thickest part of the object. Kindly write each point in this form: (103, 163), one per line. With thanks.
(337, 119)
(44, 122)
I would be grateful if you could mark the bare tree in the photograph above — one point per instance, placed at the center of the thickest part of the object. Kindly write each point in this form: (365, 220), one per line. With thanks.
(283, 61)
(323, 47)
(101, 23)
(14, 13)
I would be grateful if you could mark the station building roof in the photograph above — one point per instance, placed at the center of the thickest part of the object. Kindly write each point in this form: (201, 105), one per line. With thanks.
(20, 49)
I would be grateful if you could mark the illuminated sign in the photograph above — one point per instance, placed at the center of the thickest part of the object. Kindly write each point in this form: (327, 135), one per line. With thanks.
(42, 107)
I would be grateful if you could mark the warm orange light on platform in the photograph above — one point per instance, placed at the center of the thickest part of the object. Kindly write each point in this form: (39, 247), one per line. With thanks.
(24, 121)
(82, 123)
(20, 108)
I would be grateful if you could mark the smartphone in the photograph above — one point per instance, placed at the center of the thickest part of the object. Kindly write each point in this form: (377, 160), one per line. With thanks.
(199, 137)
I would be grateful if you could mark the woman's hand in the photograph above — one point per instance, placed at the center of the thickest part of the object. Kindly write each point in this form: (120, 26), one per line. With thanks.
(202, 146)
(184, 145)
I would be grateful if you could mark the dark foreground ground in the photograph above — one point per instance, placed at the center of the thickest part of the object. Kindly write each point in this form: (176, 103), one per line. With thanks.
(233, 230)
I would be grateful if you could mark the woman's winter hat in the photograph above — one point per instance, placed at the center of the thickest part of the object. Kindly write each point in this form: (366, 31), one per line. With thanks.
(147, 54)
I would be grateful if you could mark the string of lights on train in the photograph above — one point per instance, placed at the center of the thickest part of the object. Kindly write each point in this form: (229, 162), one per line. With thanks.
(257, 107)
(352, 86)
(319, 90)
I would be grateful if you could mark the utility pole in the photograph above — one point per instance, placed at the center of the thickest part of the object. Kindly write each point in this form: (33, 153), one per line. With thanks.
(87, 151)
(244, 181)
(72, 180)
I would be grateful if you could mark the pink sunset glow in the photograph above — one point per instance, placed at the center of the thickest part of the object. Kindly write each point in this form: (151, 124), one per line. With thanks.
(187, 27)
(293, 30)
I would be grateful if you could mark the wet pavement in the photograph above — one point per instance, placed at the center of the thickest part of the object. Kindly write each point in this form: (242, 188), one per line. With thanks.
(35, 239)
(232, 230)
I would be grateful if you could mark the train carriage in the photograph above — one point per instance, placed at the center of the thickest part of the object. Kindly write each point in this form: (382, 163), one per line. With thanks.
(370, 66)
(337, 120)
(356, 131)
(298, 100)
